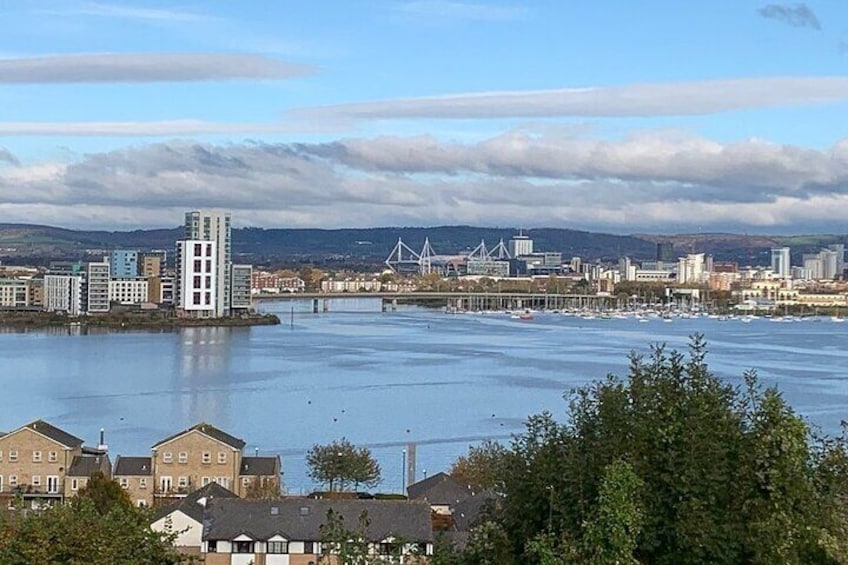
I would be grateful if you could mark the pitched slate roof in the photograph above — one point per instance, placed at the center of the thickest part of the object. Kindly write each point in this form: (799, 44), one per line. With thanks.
(210, 431)
(87, 465)
(191, 505)
(54, 433)
(300, 519)
(259, 466)
(440, 489)
(133, 466)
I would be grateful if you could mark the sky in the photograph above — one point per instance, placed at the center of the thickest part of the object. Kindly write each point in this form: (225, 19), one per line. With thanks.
(658, 116)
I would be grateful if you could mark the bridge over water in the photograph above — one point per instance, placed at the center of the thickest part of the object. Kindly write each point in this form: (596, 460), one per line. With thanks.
(459, 301)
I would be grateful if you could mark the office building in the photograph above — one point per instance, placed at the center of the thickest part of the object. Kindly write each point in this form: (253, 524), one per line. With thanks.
(97, 276)
(123, 264)
(781, 264)
(520, 245)
(204, 225)
(665, 252)
(197, 272)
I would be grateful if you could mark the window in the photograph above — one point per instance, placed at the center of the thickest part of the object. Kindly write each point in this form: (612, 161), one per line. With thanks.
(212, 546)
(52, 484)
(208, 298)
(125, 482)
(223, 481)
(209, 250)
(198, 265)
(278, 547)
(165, 484)
(13, 480)
(197, 281)
(183, 457)
(52, 456)
(1, 456)
(141, 503)
(204, 481)
(308, 547)
(206, 457)
(142, 482)
(222, 457)
(242, 547)
(182, 482)
(208, 282)
(75, 484)
(208, 265)
(13, 455)
(36, 480)
(196, 299)
(198, 248)
(1, 483)
(167, 457)
(245, 481)
(36, 457)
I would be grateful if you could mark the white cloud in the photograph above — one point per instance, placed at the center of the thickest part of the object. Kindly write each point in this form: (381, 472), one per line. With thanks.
(164, 128)
(144, 67)
(633, 100)
(651, 181)
(118, 11)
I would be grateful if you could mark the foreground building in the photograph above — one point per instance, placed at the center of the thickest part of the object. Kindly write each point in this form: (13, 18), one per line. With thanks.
(289, 531)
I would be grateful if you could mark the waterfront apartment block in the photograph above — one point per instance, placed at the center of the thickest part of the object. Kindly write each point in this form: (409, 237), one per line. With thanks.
(14, 293)
(44, 464)
(128, 291)
(241, 299)
(124, 263)
(205, 225)
(97, 287)
(197, 271)
(191, 459)
(63, 293)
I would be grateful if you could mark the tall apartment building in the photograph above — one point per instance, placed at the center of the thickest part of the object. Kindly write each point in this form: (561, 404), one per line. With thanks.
(124, 263)
(97, 287)
(63, 293)
(692, 269)
(241, 298)
(197, 277)
(781, 263)
(14, 293)
(839, 248)
(150, 265)
(205, 225)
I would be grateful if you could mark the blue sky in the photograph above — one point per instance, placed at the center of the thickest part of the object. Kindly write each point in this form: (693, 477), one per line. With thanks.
(660, 116)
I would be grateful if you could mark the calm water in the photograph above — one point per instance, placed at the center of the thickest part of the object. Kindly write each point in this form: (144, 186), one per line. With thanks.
(382, 380)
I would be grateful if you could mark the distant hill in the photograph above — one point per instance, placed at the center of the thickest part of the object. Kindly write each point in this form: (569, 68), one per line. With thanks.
(372, 245)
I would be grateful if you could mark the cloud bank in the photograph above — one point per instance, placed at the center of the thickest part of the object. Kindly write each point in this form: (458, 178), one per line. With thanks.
(144, 67)
(634, 100)
(647, 182)
(795, 15)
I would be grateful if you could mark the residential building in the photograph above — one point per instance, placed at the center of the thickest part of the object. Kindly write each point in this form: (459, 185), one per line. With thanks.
(289, 531)
(97, 276)
(692, 269)
(830, 264)
(839, 249)
(124, 263)
(14, 293)
(128, 291)
(150, 265)
(63, 293)
(197, 272)
(185, 517)
(781, 263)
(44, 464)
(191, 459)
(36, 292)
(135, 475)
(215, 226)
(241, 299)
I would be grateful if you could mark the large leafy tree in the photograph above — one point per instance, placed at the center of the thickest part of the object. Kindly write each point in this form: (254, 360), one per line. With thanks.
(81, 533)
(670, 465)
(341, 465)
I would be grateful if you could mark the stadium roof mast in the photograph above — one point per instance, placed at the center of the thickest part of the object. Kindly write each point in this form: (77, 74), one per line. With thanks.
(425, 258)
(402, 254)
(500, 252)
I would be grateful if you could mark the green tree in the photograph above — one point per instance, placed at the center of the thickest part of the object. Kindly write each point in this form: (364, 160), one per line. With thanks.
(340, 465)
(263, 488)
(79, 534)
(480, 467)
(669, 465)
(105, 494)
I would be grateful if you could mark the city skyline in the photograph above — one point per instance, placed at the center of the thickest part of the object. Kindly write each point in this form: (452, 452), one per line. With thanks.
(719, 117)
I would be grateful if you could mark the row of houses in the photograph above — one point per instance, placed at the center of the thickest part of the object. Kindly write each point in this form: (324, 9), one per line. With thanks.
(198, 480)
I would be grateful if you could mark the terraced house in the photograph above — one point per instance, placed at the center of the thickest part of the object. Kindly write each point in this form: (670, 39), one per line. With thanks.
(191, 459)
(43, 464)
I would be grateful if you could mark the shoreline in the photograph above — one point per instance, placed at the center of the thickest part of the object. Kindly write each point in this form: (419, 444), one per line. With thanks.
(134, 321)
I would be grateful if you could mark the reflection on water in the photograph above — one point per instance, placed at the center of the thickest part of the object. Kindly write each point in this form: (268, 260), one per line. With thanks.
(201, 370)
(442, 381)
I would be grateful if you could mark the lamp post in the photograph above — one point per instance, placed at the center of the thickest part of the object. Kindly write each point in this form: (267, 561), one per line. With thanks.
(403, 474)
